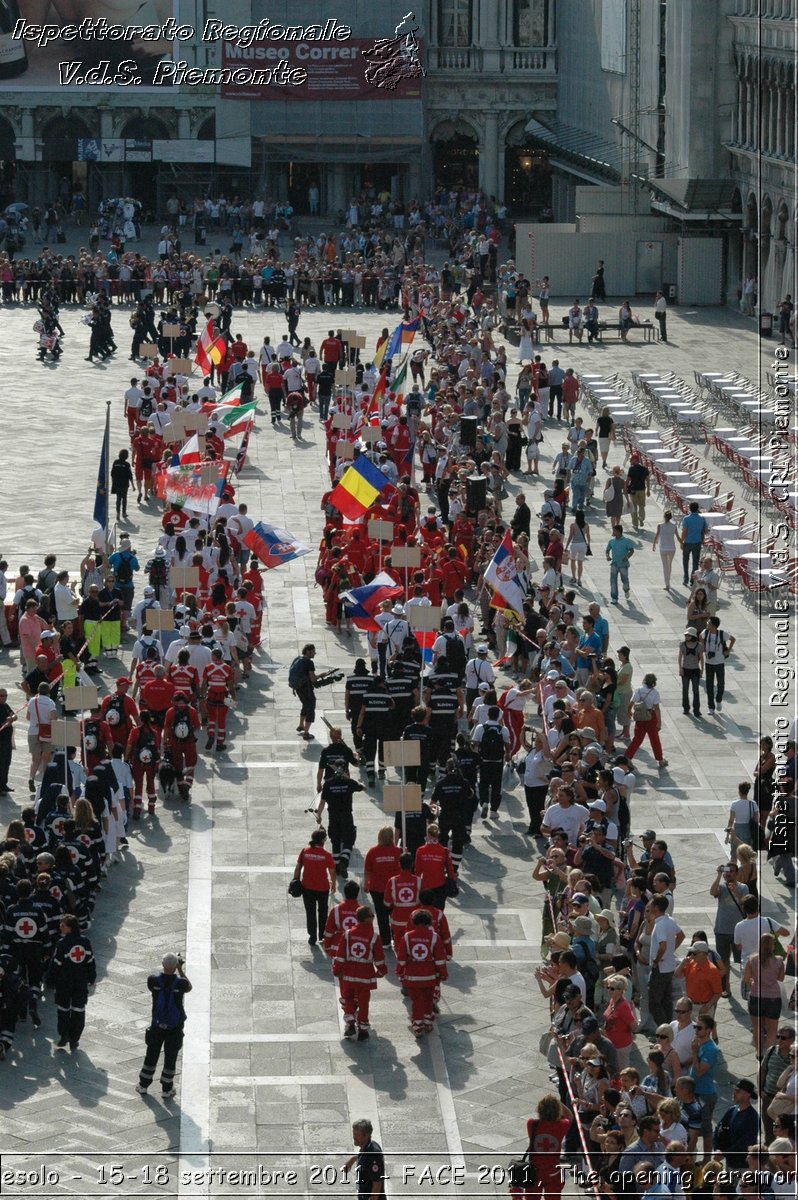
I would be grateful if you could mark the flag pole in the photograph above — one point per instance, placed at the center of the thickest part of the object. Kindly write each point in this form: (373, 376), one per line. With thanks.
(108, 477)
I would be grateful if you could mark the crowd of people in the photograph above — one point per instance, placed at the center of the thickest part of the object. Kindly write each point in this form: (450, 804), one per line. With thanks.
(550, 709)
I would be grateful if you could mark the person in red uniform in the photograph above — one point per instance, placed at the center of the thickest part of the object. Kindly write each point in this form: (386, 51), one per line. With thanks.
(176, 517)
(120, 712)
(381, 864)
(400, 444)
(342, 916)
(315, 870)
(183, 677)
(142, 754)
(546, 1134)
(434, 864)
(217, 686)
(96, 740)
(421, 966)
(401, 896)
(359, 961)
(454, 574)
(441, 927)
(330, 352)
(157, 695)
(180, 728)
(149, 450)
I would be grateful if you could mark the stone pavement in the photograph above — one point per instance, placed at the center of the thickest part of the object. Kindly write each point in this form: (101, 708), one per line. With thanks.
(264, 1071)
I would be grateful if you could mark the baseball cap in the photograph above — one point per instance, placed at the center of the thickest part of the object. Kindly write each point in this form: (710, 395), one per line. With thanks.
(589, 1024)
(699, 948)
(599, 804)
(482, 648)
(648, 835)
(484, 687)
(571, 992)
(122, 679)
(553, 675)
(184, 631)
(579, 898)
(149, 591)
(47, 633)
(746, 1085)
(691, 631)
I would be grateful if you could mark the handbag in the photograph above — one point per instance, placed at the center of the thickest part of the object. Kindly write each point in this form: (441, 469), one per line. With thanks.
(777, 946)
(452, 888)
(609, 492)
(295, 888)
(45, 731)
(780, 1105)
(588, 553)
(521, 1174)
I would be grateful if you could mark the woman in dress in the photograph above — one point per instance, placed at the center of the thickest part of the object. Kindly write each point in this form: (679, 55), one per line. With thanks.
(625, 319)
(526, 351)
(665, 538)
(534, 436)
(577, 545)
(515, 433)
(698, 610)
(613, 496)
(605, 431)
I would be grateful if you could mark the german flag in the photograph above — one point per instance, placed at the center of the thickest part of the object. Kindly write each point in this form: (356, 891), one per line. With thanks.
(210, 349)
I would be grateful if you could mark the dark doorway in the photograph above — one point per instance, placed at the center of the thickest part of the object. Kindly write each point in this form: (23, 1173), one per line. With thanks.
(456, 162)
(527, 180)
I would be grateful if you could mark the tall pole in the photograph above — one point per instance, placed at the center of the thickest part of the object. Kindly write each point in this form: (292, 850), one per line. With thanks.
(107, 477)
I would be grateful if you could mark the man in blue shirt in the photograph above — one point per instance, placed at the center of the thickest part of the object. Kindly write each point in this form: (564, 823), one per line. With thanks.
(601, 626)
(691, 536)
(581, 469)
(702, 1070)
(619, 551)
(588, 651)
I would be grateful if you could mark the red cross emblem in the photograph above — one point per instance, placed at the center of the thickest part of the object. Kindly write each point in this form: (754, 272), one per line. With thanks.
(77, 954)
(358, 949)
(419, 951)
(85, 839)
(30, 834)
(349, 922)
(58, 826)
(26, 928)
(405, 895)
(74, 854)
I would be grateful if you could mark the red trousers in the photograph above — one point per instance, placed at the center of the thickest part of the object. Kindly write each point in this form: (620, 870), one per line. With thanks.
(422, 998)
(184, 759)
(140, 770)
(355, 999)
(311, 382)
(217, 719)
(641, 730)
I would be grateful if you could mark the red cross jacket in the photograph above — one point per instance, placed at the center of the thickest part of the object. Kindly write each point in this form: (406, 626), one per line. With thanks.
(420, 957)
(401, 896)
(359, 957)
(342, 917)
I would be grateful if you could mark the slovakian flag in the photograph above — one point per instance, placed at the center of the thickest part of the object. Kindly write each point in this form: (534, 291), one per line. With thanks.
(362, 603)
(273, 545)
(502, 575)
(360, 485)
(210, 349)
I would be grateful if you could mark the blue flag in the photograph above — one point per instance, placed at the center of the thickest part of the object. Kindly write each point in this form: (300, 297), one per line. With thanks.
(101, 497)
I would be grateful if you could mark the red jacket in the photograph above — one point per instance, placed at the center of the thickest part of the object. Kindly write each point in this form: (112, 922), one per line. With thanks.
(434, 865)
(342, 917)
(359, 957)
(401, 896)
(172, 718)
(157, 695)
(441, 927)
(420, 957)
(382, 863)
(140, 738)
(121, 717)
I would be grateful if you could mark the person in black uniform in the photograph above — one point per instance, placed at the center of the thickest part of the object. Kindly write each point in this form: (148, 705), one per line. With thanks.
(337, 793)
(7, 719)
(166, 1027)
(466, 761)
(493, 740)
(454, 797)
(445, 705)
(72, 972)
(418, 731)
(13, 1002)
(357, 684)
(374, 714)
(335, 754)
(415, 828)
(369, 1162)
(403, 690)
(27, 937)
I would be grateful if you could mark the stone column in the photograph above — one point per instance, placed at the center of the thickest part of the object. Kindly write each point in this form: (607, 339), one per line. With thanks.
(489, 155)
(486, 35)
(183, 124)
(336, 187)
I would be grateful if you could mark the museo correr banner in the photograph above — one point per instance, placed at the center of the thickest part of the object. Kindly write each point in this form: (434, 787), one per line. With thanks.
(324, 70)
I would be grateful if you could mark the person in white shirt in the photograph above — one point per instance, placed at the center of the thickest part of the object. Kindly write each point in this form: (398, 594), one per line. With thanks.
(239, 525)
(133, 397)
(478, 670)
(561, 692)
(5, 636)
(666, 937)
(292, 380)
(564, 814)
(285, 350)
(137, 617)
(41, 712)
(748, 931)
(66, 602)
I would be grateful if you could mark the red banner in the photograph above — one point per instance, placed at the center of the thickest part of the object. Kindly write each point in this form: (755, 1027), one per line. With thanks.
(335, 71)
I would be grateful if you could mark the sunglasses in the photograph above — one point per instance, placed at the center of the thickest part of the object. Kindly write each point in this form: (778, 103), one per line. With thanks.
(663, 1037)
(785, 1037)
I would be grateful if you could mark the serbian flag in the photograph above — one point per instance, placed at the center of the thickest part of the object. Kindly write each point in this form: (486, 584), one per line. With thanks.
(360, 604)
(502, 575)
(210, 349)
(359, 487)
(273, 545)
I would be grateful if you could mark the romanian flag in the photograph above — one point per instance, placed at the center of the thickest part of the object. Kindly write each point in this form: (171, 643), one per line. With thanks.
(360, 486)
(403, 336)
(210, 349)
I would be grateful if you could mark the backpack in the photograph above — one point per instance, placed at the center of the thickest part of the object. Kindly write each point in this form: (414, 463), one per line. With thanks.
(124, 571)
(492, 745)
(297, 674)
(166, 1012)
(455, 653)
(145, 408)
(115, 712)
(158, 571)
(586, 961)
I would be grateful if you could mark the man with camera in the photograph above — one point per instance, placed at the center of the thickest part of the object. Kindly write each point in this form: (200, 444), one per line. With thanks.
(166, 1026)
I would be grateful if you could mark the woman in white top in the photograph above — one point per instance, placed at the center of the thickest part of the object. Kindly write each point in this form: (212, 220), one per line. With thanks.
(525, 349)
(534, 435)
(665, 538)
(577, 546)
(742, 813)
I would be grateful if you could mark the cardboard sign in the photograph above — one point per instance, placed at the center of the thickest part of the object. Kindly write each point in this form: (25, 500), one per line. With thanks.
(371, 434)
(208, 473)
(184, 577)
(344, 451)
(406, 557)
(425, 617)
(346, 378)
(341, 420)
(83, 696)
(148, 350)
(159, 619)
(180, 366)
(66, 733)
(357, 342)
(171, 330)
(194, 422)
(402, 754)
(401, 796)
(382, 530)
(347, 335)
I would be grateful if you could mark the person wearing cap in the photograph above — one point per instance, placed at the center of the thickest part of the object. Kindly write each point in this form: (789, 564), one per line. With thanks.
(691, 663)
(165, 1033)
(597, 858)
(738, 1128)
(478, 671)
(138, 616)
(703, 982)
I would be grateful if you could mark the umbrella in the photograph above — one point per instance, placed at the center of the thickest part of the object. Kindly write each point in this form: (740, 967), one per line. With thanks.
(17, 207)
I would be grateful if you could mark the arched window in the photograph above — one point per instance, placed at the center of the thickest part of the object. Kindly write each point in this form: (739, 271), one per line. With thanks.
(207, 130)
(60, 138)
(455, 22)
(530, 22)
(146, 128)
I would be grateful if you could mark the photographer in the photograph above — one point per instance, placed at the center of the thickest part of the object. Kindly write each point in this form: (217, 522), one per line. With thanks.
(166, 1026)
